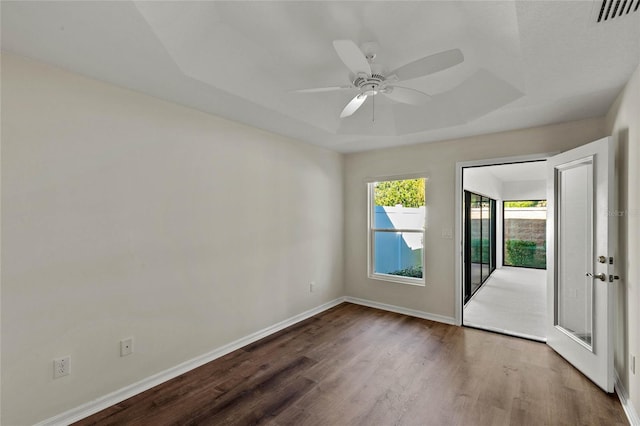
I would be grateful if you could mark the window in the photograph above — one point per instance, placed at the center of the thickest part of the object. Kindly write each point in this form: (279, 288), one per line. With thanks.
(525, 233)
(396, 230)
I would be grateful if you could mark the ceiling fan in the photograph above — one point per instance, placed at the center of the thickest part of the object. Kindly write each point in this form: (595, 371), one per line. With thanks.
(369, 79)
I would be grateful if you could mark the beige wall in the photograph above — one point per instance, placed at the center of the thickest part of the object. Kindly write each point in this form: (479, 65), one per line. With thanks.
(124, 215)
(623, 122)
(438, 160)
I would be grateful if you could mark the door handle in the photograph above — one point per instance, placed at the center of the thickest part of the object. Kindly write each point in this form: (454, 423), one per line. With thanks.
(601, 276)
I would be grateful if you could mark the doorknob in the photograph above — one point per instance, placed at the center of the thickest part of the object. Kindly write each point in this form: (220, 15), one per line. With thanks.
(601, 276)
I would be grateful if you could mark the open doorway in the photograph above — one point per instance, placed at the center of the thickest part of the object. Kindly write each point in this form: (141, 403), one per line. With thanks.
(504, 248)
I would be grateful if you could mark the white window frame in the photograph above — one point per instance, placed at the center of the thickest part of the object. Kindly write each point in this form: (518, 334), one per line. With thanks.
(421, 282)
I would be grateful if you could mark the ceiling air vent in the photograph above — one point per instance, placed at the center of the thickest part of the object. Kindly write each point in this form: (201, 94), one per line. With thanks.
(611, 9)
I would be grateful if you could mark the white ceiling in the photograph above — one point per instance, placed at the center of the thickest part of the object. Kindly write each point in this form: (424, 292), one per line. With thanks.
(527, 63)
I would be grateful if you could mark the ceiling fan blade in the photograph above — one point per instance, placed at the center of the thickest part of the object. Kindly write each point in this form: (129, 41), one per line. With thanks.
(323, 89)
(407, 95)
(353, 105)
(352, 56)
(429, 64)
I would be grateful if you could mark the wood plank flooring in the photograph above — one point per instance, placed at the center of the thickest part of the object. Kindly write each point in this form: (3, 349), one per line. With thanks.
(353, 365)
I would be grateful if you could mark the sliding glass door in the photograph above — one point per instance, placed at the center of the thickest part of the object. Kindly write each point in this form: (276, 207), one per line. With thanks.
(480, 241)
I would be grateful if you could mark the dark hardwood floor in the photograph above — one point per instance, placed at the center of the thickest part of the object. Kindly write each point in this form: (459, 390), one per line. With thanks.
(353, 365)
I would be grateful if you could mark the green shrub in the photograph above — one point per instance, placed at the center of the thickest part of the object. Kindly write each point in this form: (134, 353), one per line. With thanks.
(412, 271)
(525, 253)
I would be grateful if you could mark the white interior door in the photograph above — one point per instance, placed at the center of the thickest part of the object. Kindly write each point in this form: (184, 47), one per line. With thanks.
(579, 252)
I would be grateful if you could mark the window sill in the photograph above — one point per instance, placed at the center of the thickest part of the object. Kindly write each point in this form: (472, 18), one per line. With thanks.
(398, 279)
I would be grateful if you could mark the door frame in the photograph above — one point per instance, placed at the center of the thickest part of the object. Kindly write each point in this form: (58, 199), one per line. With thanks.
(458, 219)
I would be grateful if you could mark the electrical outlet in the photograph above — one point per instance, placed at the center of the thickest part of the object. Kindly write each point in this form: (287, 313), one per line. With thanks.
(61, 367)
(126, 346)
(312, 284)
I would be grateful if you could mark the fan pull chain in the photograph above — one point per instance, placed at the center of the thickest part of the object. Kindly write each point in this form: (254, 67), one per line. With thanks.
(373, 102)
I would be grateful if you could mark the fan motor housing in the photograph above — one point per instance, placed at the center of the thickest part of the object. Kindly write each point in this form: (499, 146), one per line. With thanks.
(370, 84)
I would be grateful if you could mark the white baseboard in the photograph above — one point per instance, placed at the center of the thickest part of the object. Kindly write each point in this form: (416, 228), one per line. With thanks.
(120, 395)
(632, 414)
(401, 310)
